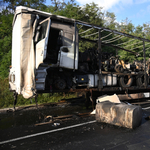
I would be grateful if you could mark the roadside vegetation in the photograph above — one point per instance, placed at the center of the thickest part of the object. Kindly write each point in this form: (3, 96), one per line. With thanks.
(7, 99)
(89, 13)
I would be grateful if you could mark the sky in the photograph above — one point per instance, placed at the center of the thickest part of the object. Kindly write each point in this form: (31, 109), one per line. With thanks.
(137, 11)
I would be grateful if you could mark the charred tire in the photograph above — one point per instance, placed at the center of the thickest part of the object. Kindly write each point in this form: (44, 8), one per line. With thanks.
(60, 84)
(126, 81)
(140, 80)
(119, 69)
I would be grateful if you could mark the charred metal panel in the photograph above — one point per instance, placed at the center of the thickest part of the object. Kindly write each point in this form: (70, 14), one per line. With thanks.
(59, 25)
(68, 32)
(119, 114)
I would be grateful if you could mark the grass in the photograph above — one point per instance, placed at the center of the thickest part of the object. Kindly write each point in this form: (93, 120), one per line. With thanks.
(7, 99)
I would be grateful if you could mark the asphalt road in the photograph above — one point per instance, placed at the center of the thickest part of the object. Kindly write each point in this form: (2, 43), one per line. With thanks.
(87, 135)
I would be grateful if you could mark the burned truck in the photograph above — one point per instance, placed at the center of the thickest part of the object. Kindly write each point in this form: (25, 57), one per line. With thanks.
(46, 57)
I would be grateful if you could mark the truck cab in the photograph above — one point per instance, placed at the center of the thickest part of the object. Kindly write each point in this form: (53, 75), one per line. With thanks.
(41, 42)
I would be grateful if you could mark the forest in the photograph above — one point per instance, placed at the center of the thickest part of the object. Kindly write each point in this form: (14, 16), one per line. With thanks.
(90, 13)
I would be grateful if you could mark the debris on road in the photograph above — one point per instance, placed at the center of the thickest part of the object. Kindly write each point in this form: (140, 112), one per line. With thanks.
(51, 119)
(93, 112)
(113, 98)
(63, 117)
(44, 123)
(48, 118)
(83, 114)
(110, 110)
(124, 115)
(56, 124)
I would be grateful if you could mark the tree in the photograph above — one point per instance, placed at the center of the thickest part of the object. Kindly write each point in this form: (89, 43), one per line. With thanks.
(36, 4)
(110, 20)
(5, 42)
(6, 18)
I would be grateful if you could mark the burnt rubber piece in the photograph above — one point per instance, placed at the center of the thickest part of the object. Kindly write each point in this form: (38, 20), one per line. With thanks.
(140, 80)
(119, 68)
(126, 81)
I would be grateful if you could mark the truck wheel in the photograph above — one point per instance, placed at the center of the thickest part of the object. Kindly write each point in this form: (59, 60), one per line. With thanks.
(60, 84)
(140, 80)
(126, 81)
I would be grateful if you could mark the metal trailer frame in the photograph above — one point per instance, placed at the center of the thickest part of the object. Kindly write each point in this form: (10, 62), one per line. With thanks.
(74, 22)
(108, 90)
(100, 43)
(101, 89)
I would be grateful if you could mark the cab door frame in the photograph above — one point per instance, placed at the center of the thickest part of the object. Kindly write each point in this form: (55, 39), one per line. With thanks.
(42, 41)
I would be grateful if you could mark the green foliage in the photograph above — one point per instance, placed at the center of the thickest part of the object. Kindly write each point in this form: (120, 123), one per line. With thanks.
(5, 24)
(109, 21)
(50, 97)
(4, 65)
(7, 99)
(5, 42)
(36, 4)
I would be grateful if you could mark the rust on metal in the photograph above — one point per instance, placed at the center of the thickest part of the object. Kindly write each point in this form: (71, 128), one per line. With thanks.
(62, 117)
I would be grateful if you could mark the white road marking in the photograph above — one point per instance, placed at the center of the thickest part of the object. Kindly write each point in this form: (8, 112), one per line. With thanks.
(46, 132)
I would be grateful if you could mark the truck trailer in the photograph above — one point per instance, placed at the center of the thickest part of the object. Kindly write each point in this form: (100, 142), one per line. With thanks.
(46, 57)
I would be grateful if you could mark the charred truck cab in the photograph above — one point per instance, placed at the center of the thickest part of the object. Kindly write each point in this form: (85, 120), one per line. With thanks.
(46, 57)
(44, 52)
(55, 51)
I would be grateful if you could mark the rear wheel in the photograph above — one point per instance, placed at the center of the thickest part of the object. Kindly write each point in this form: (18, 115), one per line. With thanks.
(140, 80)
(126, 81)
